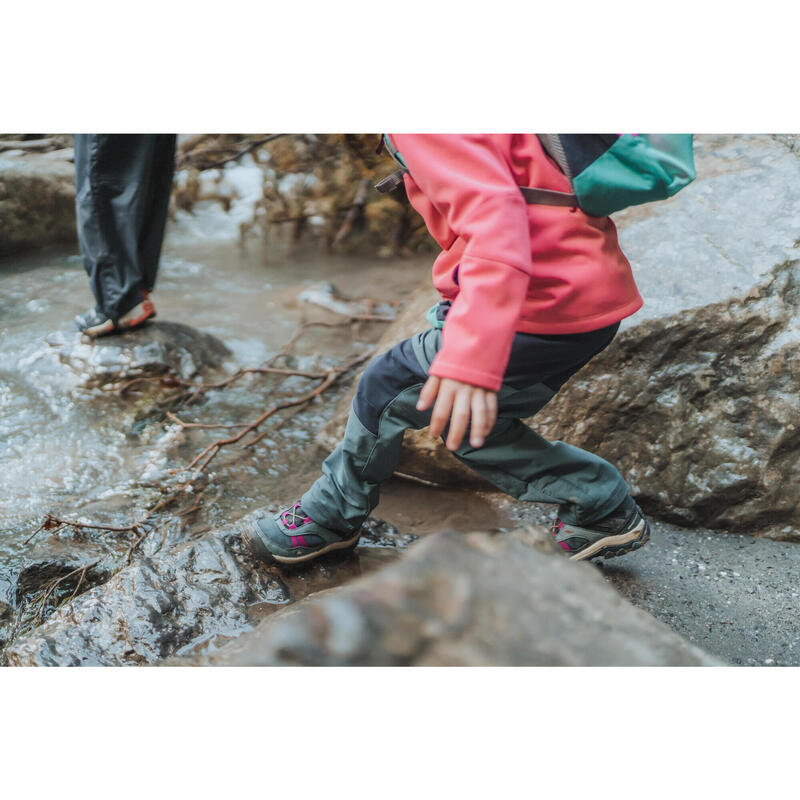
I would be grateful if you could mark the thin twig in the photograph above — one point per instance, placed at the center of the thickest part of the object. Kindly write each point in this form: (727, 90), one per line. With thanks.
(240, 373)
(74, 524)
(183, 424)
(53, 585)
(202, 460)
(252, 146)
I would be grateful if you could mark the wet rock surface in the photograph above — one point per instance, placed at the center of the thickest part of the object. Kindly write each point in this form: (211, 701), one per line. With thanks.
(188, 595)
(157, 348)
(701, 411)
(466, 599)
(37, 198)
(187, 598)
(54, 573)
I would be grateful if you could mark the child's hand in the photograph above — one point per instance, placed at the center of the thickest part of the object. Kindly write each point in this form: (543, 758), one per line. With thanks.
(457, 402)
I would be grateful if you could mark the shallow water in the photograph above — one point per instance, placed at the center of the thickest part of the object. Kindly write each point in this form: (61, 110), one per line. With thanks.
(78, 452)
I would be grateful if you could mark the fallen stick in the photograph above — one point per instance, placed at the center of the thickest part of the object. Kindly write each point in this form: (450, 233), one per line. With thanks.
(202, 460)
(53, 585)
(243, 152)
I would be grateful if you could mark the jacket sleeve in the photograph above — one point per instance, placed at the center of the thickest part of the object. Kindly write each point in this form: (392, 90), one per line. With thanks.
(469, 182)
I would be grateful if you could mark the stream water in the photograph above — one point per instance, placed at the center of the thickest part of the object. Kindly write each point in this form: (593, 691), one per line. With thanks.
(79, 453)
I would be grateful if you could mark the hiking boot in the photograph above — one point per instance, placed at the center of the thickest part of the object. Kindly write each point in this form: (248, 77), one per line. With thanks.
(94, 323)
(623, 530)
(292, 537)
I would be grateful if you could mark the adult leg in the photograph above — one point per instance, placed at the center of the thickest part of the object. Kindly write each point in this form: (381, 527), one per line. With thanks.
(151, 235)
(114, 190)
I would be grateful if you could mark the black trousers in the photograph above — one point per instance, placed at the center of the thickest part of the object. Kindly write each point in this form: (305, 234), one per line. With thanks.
(123, 184)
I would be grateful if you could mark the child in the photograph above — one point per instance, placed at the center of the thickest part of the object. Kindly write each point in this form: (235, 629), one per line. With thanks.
(530, 294)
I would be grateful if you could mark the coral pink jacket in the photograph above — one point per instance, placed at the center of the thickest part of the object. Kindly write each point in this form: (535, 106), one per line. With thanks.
(508, 266)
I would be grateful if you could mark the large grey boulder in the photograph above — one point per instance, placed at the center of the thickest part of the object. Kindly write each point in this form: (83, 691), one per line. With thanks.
(701, 411)
(466, 599)
(697, 399)
(37, 199)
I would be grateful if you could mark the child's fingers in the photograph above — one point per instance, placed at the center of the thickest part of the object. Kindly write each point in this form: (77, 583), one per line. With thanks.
(459, 419)
(491, 411)
(428, 393)
(441, 410)
(480, 416)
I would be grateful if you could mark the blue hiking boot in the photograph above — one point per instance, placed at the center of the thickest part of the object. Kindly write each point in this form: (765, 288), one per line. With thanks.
(292, 537)
(623, 530)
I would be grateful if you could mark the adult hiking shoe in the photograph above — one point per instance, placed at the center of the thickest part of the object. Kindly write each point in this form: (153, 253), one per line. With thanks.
(94, 323)
(623, 530)
(292, 537)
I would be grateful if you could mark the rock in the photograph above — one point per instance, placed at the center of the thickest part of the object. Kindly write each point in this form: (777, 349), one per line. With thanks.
(37, 200)
(327, 296)
(189, 598)
(700, 411)
(466, 599)
(52, 575)
(696, 401)
(157, 348)
(191, 595)
(6, 623)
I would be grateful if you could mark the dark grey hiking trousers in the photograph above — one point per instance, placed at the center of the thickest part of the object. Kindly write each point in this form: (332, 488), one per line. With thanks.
(123, 184)
(514, 458)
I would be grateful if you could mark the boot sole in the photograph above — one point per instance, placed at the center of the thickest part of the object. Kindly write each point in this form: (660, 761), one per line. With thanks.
(257, 548)
(107, 328)
(619, 545)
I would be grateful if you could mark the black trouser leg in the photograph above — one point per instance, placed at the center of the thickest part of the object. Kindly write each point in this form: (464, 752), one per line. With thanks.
(123, 184)
(151, 235)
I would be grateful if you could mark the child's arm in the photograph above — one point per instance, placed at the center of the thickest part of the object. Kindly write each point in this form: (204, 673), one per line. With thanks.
(469, 182)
